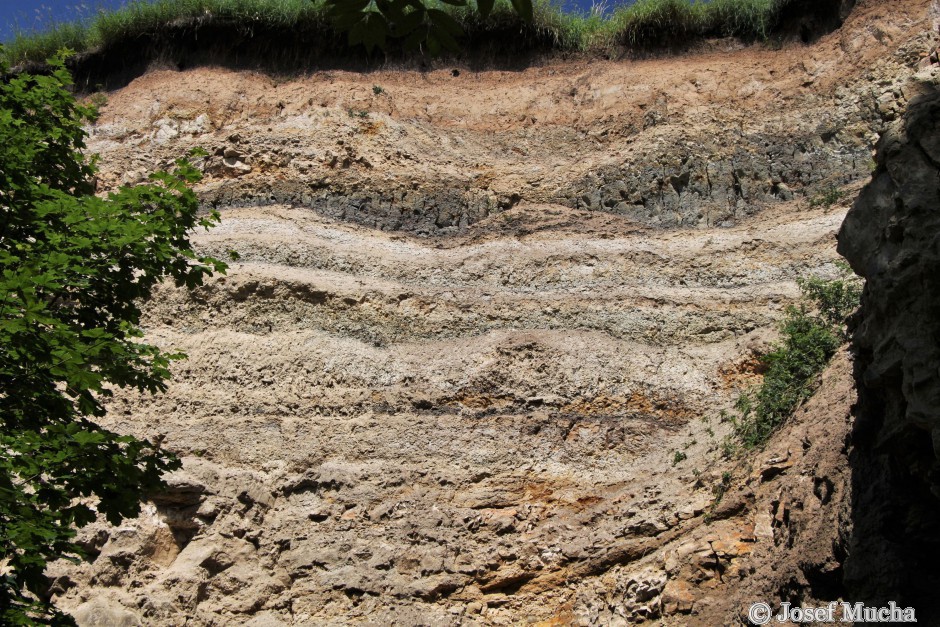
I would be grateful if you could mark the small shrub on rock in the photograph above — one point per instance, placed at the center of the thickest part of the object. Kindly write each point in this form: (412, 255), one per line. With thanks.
(811, 332)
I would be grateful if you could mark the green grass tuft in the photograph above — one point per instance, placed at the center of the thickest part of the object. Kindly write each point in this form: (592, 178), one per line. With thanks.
(671, 22)
(657, 21)
(827, 198)
(748, 19)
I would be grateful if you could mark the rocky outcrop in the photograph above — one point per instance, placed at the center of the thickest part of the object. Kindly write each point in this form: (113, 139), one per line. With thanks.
(684, 179)
(703, 142)
(891, 238)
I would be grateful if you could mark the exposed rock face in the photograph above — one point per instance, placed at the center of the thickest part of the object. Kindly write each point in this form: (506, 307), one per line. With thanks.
(891, 237)
(463, 374)
(459, 431)
(781, 528)
(703, 142)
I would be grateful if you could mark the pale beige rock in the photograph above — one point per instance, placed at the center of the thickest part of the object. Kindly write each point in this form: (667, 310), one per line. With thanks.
(100, 613)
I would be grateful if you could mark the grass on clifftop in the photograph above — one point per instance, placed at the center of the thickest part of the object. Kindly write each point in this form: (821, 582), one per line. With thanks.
(646, 24)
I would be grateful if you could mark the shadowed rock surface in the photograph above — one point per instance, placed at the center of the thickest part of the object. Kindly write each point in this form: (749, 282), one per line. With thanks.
(890, 237)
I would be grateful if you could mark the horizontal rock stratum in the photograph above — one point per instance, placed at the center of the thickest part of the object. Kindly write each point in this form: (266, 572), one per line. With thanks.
(477, 315)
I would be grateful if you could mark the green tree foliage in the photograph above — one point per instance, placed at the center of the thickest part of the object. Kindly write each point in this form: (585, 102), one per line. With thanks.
(810, 335)
(74, 268)
(412, 23)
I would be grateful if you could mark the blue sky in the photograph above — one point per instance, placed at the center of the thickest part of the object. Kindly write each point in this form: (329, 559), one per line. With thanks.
(28, 15)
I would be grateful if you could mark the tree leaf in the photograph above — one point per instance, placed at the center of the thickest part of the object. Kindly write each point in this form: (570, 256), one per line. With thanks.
(446, 23)
(74, 269)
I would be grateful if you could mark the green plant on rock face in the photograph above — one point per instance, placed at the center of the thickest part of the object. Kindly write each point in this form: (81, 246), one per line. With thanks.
(679, 457)
(74, 268)
(721, 488)
(810, 335)
(827, 198)
(718, 491)
(836, 299)
(728, 447)
(377, 90)
(98, 100)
